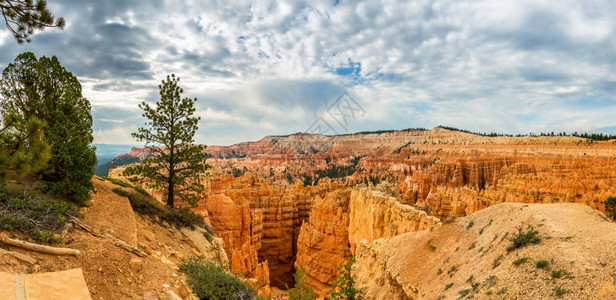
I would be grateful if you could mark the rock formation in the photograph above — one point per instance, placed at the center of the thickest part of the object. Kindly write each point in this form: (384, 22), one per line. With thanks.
(262, 192)
(323, 243)
(374, 215)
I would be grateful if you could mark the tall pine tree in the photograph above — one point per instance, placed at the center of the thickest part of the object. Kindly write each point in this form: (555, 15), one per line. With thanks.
(176, 164)
(44, 89)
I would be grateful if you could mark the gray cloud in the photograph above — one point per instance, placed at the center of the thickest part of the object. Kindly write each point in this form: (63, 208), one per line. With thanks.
(272, 67)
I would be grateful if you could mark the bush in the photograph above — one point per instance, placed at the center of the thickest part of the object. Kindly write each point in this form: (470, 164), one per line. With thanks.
(520, 261)
(542, 264)
(610, 207)
(211, 281)
(557, 274)
(559, 292)
(470, 224)
(497, 261)
(117, 181)
(524, 238)
(148, 206)
(36, 216)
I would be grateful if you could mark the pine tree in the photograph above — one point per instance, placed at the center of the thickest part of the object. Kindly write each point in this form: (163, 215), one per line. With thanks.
(610, 207)
(43, 89)
(300, 291)
(23, 148)
(344, 286)
(23, 17)
(176, 164)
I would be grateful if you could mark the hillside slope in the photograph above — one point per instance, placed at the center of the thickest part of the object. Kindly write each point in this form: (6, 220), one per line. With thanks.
(111, 272)
(468, 257)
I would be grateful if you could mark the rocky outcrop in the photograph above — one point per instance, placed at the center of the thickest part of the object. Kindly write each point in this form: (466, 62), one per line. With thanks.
(239, 229)
(323, 243)
(457, 259)
(374, 215)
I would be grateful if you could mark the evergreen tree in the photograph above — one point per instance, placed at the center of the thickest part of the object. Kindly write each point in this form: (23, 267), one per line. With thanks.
(175, 164)
(43, 89)
(343, 286)
(610, 207)
(23, 17)
(23, 148)
(300, 291)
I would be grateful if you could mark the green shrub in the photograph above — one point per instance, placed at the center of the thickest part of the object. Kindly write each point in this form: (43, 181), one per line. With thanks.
(557, 274)
(448, 286)
(610, 207)
(470, 279)
(472, 246)
(464, 292)
(148, 206)
(497, 261)
(120, 192)
(523, 238)
(559, 292)
(542, 264)
(117, 181)
(520, 261)
(470, 224)
(37, 216)
(211, 281)
(451, 271)
(208, 236)
(501, 291)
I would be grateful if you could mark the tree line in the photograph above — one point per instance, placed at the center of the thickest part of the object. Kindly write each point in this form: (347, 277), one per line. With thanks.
(592, 136)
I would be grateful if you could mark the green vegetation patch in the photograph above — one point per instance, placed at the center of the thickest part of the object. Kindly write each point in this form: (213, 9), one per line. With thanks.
(557, 274)
(559, 292)
(524, 238)
(148, 206)
(34, 215)
(211, 281)
(542, 264)
(520, 261)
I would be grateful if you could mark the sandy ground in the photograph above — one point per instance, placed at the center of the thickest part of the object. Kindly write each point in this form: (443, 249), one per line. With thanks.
(576, 240)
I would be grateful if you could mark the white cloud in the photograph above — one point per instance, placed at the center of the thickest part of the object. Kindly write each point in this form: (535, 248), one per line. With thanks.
(260, 67)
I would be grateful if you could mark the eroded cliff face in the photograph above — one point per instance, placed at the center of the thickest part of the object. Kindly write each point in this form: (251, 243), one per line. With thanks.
(374, 215)
(257, 201)
(252, 210)
(323, 243)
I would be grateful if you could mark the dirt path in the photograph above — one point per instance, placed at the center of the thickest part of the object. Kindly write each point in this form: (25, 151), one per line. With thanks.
(111, 213)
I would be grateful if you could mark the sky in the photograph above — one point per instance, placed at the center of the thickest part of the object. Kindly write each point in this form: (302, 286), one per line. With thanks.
(263, 68)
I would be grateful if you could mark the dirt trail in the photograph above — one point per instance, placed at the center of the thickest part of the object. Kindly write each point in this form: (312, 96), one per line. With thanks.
(111, 213)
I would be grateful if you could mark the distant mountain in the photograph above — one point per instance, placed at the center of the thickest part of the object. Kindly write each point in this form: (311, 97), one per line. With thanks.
(105, 153)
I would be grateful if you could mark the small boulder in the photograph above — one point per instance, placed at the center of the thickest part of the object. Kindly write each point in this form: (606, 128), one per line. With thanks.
(136, 264)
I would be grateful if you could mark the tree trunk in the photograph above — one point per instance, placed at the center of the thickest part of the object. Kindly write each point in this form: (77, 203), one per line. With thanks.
(170, 193)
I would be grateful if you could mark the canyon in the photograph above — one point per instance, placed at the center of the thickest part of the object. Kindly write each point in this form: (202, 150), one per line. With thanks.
(312, 201)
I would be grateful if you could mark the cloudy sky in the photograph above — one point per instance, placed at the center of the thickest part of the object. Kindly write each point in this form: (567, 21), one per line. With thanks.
(274, 67)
